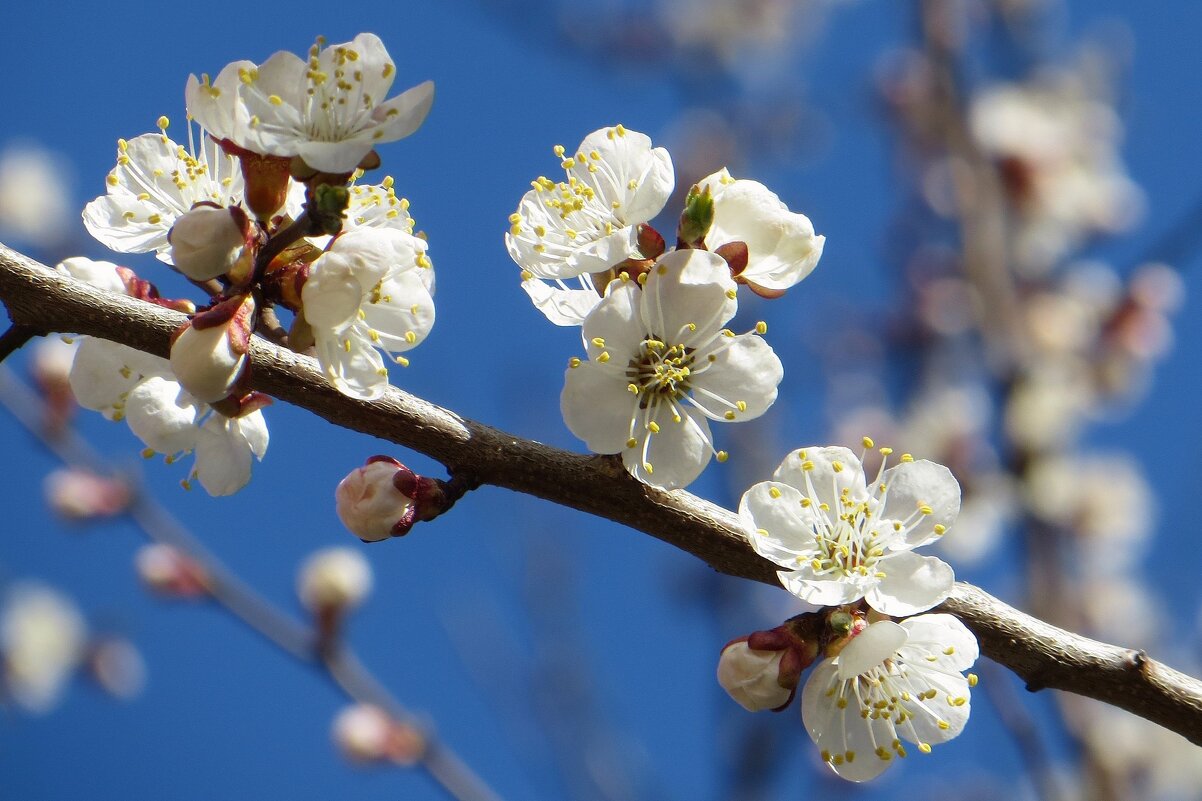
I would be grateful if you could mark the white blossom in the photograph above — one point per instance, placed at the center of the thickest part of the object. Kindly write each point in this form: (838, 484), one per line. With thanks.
(892, 682)
(371, 290)
(782, 248)
(329, 109)
(661, 366)
(564, 231)
(42, 638)
(840, 540)
(155, 182)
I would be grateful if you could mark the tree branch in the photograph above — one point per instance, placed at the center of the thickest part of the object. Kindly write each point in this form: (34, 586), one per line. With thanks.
(1043, 655)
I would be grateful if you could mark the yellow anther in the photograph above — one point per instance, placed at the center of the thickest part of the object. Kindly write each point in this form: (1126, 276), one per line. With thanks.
(604, 357)
(948, 651)
(740, 405)
(402, 361)
(647, 466)
(940, 529)
(275, 100)
(841, 703)
(926, 510)
(633, 389)
(774, 492)
(632, 442)
(868, 443)
(574, 362)
(806, 503)
(147, 453)
(837, 467)
(721, 456)
(729, 415)
(761, 328)
(905, 457)
(807, 465)
(730, 293)
(943, 724)
(515, 218)
(599, 342)
(972, 679)
(924, 747)
(653, 427)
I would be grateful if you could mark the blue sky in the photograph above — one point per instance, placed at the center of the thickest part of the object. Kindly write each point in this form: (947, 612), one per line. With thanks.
(449, 628)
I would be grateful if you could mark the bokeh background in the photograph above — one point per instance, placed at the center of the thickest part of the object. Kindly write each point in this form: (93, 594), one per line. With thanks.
(562, 656)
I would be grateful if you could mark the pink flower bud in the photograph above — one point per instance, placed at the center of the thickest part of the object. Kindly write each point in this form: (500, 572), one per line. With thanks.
(753, 678)
(370, 504)
(208, 355)
(334, 579)
(168, 571)
(80, 495)
(208, 241)
(366, 733)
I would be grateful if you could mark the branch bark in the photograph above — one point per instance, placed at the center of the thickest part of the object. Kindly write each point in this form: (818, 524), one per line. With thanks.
(1043, 655)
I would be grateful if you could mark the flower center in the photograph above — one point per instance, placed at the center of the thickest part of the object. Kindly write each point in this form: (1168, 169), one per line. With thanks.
(662, 371)
(848, 543)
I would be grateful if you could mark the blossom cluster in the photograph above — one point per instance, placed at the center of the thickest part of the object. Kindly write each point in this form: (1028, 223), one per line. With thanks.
(847, 544)
(264, 208)
(661, 363)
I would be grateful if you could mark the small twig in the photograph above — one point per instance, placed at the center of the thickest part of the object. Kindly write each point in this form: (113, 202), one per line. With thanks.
(14, 338)
(339, 664)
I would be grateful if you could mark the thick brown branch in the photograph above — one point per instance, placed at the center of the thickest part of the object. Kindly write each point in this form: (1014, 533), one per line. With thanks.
(1043, 655)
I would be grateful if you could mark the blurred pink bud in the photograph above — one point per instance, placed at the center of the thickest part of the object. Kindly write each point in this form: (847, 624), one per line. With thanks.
(118, 667)
(171, 572)
(334, 579)
(80, 495)
(365, 733)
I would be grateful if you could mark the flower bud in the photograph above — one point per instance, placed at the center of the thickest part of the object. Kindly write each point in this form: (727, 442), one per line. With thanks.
(117, 666)
(208, 355)
(365, 733)
(80, 495)
(334, 579)
(208, 241)
(698, 216)
(384, 499)
(753, 677)
(170, 572)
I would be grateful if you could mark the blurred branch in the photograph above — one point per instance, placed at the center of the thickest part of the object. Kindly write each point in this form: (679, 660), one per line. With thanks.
(1043, 655)
(337, 661)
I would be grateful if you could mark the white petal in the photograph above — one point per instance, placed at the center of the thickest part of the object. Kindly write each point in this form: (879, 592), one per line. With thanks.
(615, 324)
(404, 315)
(745, 373)
(936, 634)
(781, 245)
(912, 584)
(351, 364)
(163, 415)
(777, 525)
(823, 483)
(677, 454)
(332, 295)
(822, 592)
(597, 407)
(100, 274)
(223, 456)
(911, 485)
(628, 170)
(870, 648)
(688, 297)
(402, 115)
(950, 706)
(561, 306)
(103, 373)
(837, 731)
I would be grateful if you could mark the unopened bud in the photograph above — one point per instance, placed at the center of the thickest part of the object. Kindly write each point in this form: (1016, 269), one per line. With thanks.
(266, 179)
(334, 580)
(171, 572)
(208, 241)
(208, 355)
(753, 677)
(384, 499)
(81, 495)
(118, 667)
(697, 218)
(366, 733)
